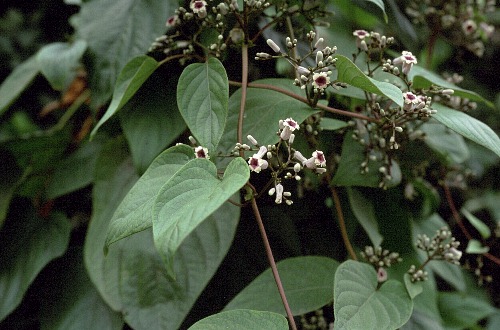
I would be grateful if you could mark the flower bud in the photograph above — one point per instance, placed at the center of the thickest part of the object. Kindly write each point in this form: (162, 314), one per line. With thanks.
(273, 45)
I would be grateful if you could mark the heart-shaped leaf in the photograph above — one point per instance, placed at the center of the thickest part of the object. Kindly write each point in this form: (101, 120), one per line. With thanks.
(475, 247)
(468, 126)
(202, 97)
(134, 214)
(360, 304)
(349, 73)
(188, 198)
(131, 78)
(307, 282)
(242, 319)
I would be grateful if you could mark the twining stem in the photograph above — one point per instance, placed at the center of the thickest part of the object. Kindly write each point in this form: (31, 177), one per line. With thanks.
(304, 100)
(274, 269)
(459, 222)
(343, 229)
(244, 83)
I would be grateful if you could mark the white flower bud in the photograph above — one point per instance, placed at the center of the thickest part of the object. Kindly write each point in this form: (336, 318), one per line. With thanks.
(273, 45)
(319, 57)
(252, 140)
(297, 167)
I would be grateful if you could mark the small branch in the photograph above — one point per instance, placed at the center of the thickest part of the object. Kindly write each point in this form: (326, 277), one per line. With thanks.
(340, 216)
(458, 220)
(304, 100)
(244, 78)
(272, 263)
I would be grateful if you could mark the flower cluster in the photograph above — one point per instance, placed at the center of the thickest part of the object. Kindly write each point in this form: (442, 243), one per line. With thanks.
(442, 246)
(367, 41)
(380, 259)
(283, 164)
(461, 23)
(315, 77)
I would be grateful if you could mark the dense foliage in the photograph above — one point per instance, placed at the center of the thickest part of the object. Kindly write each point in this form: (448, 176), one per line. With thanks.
(249, 164)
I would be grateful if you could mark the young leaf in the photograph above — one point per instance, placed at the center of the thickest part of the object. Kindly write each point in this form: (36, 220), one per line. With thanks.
(134, 214)
(17, 81)
(475, 247)
(423, 78)
(131, 78)
(467, 126)
(460, 310)
(59, 62)
(242, 319)
(480, 226)
(28, 244)
(413, 288)
(202, 97)
(349, 73)
(188, 198)
(358, 301)
(149, 294)
(364, 211)
(307, 282)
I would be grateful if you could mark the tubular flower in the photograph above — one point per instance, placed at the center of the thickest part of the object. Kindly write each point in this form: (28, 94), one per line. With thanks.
(321, 80)
(199, 7)
(410, 101)
(288, 126)
(256, 163)
(201, 152)
(279, 194)
(406, 60)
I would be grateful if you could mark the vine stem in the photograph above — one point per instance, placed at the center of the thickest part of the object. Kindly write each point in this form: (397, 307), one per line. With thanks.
(458, 220)
(244, 84)
(274, 269)
(340, 216)
(304, 100)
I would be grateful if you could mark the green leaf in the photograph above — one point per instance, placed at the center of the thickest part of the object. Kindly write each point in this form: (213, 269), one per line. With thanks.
(264, 109)
(116, 32)
(381, 5)
(307, 282)
(480, 226)
(114, 176)
(28, 244)
(131, 78)
(75, 171)
(349, 170)
(202, 96)
(475, 247)
(349, 73)
(463, 310)
(467, 126)
(358, 302)
(330, 124)
(242, 319)
(10, 178)
(59, 62)
(446, 143)
(422, 321)
(151, 120)
(134, 214)
(152, 299)
(423, 78)
(188, 198)
(78, 304)
(17, 81)
(413, 288)
(364, 211)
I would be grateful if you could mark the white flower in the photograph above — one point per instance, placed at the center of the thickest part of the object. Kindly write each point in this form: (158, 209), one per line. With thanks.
(406, 60)
(199, 7)
(319, 158)
(201, 152)
(172, 21)
(469, 27)
(321, 80)
(288, 126)
(256, 163)
(279, 194)
(410, 101)
(297, 155)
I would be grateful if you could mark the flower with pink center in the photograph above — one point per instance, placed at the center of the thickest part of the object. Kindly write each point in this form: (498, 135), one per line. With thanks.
(321, 80)
(288, 126)
(469, 27)
(381, 275)
(256, 163)
(319, 158)
(361, 35)
(406, 60)
(201, 152)
(410, 101)
(172, 21)
(199, 7)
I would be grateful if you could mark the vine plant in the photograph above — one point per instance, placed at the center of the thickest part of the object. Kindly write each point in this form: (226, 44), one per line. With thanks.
(368, 126)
